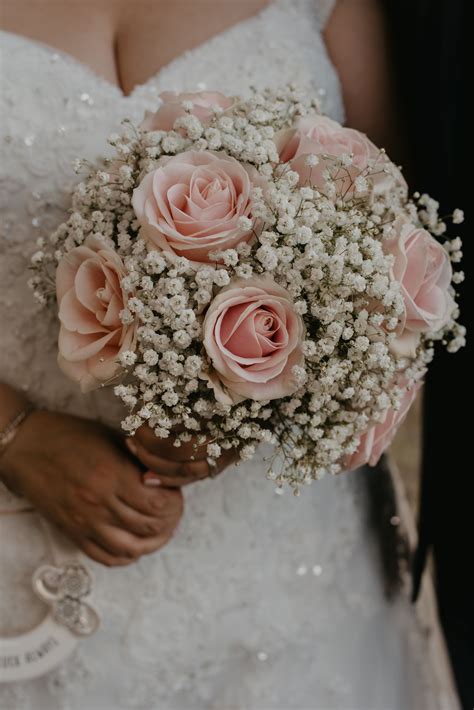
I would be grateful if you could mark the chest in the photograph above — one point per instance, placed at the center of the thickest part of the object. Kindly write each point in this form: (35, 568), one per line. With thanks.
(126, 42)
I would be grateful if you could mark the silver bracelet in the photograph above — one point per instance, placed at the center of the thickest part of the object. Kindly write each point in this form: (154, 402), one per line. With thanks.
(11, 430)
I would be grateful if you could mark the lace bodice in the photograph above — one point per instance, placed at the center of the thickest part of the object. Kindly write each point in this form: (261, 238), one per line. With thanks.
(260, 601)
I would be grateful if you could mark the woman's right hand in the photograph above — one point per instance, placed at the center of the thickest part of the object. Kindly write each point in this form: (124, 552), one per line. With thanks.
(78, 474)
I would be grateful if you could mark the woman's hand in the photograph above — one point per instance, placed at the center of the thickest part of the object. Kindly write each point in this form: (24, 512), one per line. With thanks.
(79, 475)
(175, 466)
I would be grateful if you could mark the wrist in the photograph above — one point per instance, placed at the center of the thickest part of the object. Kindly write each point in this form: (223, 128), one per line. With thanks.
(11, 403)
(10, 432)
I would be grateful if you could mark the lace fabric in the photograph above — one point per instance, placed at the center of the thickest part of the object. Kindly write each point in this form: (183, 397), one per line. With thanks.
(260, 601)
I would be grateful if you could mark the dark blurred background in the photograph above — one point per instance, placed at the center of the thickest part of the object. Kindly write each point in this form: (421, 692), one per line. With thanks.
(430, 48)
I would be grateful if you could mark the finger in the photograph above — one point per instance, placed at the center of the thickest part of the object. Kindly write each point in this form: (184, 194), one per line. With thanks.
(150, 478)
(135, 522)
(226, 459)
(145, 439)
(122, 544)
(186, 471)
(172, 482)
(97, 553)
(166, 448)
(151, 501)
(170, 477)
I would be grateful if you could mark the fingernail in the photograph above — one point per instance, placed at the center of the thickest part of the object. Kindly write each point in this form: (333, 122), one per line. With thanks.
(152, 482)
(131, 446)
(149, 479)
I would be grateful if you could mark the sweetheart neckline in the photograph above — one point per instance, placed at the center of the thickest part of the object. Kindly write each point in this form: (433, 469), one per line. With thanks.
(115, 88)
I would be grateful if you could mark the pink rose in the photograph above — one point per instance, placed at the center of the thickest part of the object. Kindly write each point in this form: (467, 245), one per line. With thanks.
(423, 269)
(327, 139)
(90, 299)
(253, 337)
(379, 437)
(172, 108)
(191, 204)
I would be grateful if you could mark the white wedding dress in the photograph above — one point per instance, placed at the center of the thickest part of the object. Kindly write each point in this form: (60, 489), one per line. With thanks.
(261, 601)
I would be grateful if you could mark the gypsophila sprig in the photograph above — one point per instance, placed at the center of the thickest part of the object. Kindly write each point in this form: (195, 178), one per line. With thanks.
(250, 271)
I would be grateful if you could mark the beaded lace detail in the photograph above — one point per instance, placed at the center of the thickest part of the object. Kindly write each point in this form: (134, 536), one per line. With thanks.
(260, 601)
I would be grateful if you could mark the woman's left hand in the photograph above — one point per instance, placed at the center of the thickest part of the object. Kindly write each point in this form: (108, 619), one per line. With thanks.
(173, 466)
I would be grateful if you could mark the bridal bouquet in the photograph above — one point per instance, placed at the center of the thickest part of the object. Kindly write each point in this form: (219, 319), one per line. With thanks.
(251, 271)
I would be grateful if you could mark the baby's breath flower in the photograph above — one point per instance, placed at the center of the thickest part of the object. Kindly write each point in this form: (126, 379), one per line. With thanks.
(170, 398)
(323, 247)
(244, 271)
(244, 223)
(267, 256)
(221, 277)
(182, 339)
(127, 358)
(458, 216)
(312, 160)
(37, 258)
(361, 184)
(151, 357)
(203, 296)
(214, 450)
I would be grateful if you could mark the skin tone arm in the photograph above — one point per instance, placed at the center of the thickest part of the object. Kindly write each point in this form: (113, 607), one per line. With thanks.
(97, 498)
(357, 41)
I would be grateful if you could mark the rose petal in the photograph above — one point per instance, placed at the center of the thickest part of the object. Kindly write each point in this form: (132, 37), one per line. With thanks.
(74, 316)
(77, 346)
(248, 363)
(91, 332)
(192, 202)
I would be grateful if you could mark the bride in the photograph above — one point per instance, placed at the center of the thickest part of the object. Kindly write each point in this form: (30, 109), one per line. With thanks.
(254, 601)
